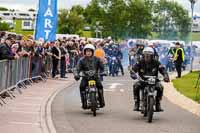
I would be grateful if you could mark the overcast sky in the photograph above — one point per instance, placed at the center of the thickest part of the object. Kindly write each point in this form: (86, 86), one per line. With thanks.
(27, 4)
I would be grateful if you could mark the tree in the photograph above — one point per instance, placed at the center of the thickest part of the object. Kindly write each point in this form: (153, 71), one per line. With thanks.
(3, 9)
(78, 9)
(139, 18)
(31, 10)
(121, 18)
(4, 26)
(115, 19)
(70, 22)
(128, 18)
(170, 19)
(93, 14)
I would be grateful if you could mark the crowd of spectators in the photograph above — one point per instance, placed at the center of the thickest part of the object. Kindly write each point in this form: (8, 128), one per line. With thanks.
(52, 58)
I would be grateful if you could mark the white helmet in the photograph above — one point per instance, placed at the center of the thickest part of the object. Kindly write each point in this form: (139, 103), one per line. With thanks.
(148, 50)
(109, 38)
(89, 46)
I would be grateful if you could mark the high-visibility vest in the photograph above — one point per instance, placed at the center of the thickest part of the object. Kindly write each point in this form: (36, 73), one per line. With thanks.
(176, 54)
(172, 51)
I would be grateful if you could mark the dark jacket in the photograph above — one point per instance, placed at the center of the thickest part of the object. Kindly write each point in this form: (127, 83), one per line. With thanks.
(6, 52)
(150, 69)
(63, 53)
(87, 64)
(55, 51)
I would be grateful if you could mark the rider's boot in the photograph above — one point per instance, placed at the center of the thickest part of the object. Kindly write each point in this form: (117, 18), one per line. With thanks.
(101, 99)
(83, 100)
(136, 98)
(158, 106)
(136, 106)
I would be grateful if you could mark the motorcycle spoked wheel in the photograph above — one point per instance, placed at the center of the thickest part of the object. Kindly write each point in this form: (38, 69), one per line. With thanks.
(113, 70)
(144, 110)
(93, 103)
(150, 109)
(144, 107)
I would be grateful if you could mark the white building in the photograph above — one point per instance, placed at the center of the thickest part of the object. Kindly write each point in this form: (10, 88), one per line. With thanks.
(27, 18)
(9, 15)
(196, 24)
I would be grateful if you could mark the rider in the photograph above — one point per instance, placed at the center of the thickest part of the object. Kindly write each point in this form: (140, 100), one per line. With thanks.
(139, 51)
(119, 55)
(87, 63)
(152, 45)
(150, 67)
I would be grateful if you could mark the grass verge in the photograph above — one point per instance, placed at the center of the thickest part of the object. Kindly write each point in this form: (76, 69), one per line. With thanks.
(186, 85)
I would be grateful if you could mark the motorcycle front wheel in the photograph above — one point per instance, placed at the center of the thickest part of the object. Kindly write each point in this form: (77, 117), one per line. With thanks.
(93, 103)
(150, 108)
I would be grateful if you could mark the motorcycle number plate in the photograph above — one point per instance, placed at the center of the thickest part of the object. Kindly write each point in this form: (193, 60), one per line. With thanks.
(92, 89)
(92, 82)
(153, 94)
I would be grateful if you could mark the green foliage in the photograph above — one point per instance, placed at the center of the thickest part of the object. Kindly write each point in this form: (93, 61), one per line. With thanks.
(4, 26)
(128, 18)
(3, 9)
(31, 10)
(139, 18)
(70, 22)
(115, 19)
(171, 20)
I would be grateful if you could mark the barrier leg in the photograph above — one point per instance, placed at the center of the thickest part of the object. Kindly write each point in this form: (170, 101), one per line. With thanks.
(2, 100)
(24, 85)
(11, 94)
(28, 80)
(19, 90)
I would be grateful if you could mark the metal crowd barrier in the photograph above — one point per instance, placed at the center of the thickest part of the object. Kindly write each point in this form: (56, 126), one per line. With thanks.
(16, 74)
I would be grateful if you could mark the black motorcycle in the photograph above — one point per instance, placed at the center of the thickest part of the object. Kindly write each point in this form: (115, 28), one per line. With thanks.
(148, 97)
(114, 66)
(92, 98)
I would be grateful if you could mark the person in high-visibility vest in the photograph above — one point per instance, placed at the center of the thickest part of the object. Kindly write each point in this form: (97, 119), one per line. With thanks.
(179, 58)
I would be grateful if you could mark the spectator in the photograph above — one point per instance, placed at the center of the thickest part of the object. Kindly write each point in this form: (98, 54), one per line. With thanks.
(5, 50)
(179, 58)
(56, 54)
(63, 60)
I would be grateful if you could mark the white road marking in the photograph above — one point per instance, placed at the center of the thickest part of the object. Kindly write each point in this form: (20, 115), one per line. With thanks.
(121, 90)
(24, 123)
(29, 104)
(25, 112)
(109, 90)
(33, 98)
(114, 85)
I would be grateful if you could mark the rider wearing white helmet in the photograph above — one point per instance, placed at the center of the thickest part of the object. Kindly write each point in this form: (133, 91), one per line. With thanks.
(89, 63)
(89, 50)
(150, 67)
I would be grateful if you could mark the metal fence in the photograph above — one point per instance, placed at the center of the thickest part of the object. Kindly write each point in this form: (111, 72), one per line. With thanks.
(13, 72)
(16, 74)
